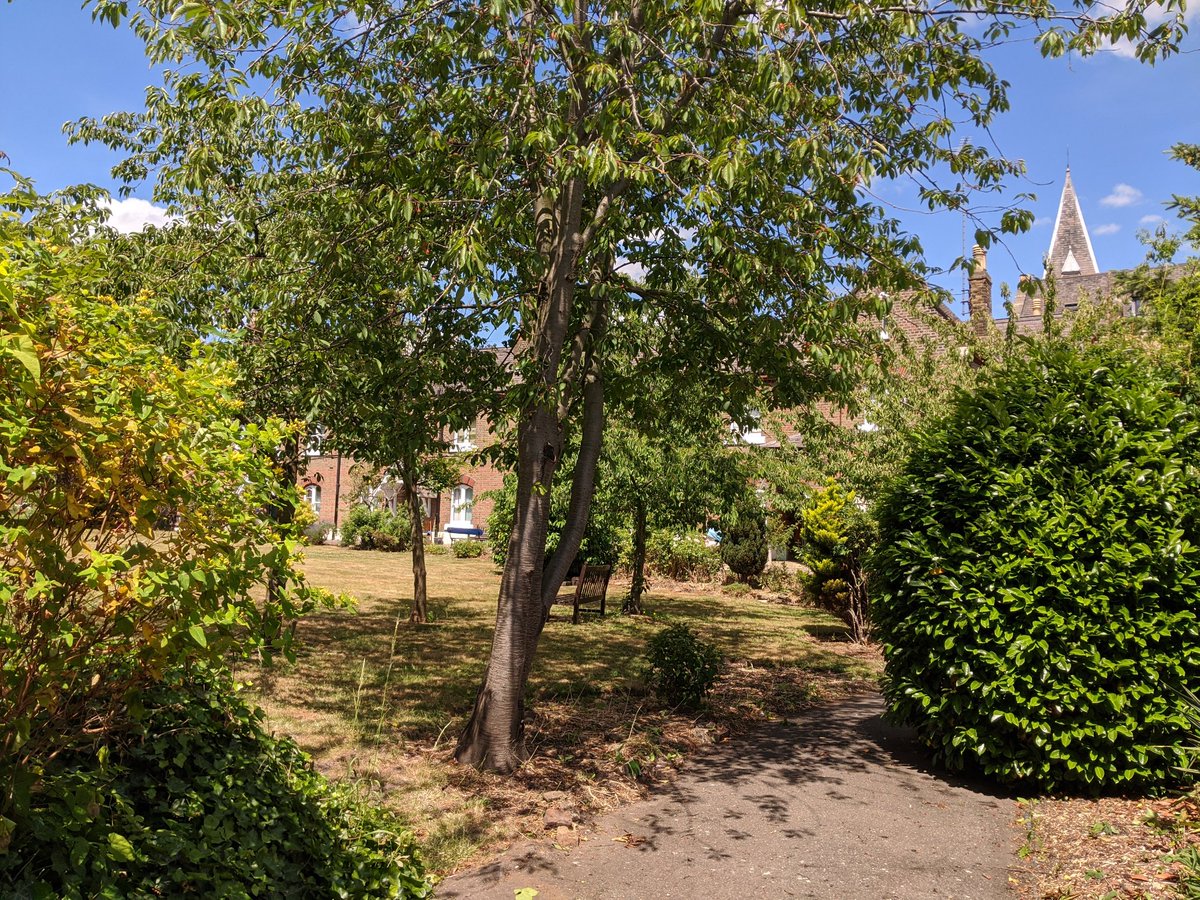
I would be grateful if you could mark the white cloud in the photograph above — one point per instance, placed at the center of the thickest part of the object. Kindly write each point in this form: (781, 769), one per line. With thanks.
(135, 214)
(1042, 220)
(1111, 228)
(1156, 14)
(1122, 195)
(1151, 219)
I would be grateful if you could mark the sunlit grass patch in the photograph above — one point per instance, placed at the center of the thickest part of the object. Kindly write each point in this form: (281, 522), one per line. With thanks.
(380, 701)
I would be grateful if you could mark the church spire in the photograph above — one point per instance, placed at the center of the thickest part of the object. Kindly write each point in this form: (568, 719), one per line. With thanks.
(1071, 247)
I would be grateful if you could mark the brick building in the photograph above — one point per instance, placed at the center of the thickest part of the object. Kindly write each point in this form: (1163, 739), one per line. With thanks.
(332, 483)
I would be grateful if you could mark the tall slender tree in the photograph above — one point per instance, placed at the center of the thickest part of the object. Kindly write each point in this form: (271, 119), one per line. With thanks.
(559, 166)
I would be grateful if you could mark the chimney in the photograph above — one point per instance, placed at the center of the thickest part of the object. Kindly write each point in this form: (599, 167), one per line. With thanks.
(1035, 299)
(980, 293)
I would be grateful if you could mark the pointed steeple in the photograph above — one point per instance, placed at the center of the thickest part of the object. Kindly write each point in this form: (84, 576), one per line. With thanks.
(1071, 247)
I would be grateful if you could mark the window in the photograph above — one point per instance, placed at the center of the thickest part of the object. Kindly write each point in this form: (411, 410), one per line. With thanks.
(316, 438)
(750, 429)
(462, 440)
(462, 499)
(312, 493)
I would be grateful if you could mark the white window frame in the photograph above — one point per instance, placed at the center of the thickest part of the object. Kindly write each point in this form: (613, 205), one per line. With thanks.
(751, 433)
(316, 438)
(312, 496)
(462, 505)
(462, 440)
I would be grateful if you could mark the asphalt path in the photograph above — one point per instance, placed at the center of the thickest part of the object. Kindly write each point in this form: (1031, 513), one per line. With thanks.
(835, 803)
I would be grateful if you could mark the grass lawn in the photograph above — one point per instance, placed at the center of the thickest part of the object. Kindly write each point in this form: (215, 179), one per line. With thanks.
(381, 702)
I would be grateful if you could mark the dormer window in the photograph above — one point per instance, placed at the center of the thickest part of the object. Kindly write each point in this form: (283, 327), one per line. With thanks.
(462, 440)
(749, 430)
(316, 441)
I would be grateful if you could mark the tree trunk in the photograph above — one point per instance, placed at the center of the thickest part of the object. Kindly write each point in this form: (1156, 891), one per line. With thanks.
(494, 737)
(633, 604)
(420, 609)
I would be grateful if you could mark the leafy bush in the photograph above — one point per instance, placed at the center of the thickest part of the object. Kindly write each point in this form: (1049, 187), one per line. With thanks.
(436, 549)
(681, 557)
(100, 435)
(744, 543)
(1038, 579)
(835, 535)
(303, 518)
(777, 579)
(681, 668)
(737, 589)
(316, 534)
(467, 549)
(377, 529)
(196, 798)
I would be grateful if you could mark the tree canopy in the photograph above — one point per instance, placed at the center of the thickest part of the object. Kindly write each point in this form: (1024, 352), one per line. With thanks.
(558, 172)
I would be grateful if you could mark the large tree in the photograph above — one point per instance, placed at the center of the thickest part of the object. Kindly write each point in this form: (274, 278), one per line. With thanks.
(559, 166)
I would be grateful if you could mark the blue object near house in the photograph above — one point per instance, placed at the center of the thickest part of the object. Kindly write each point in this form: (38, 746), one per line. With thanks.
(713, 535)
(460, 531)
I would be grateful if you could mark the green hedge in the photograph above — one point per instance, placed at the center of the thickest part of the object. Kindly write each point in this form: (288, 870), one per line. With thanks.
(377, 529)
(1037, 584)
(198, 799)
(681, 557)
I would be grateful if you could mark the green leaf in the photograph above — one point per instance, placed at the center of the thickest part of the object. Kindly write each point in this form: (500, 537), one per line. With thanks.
(120, 848)
(198, 635)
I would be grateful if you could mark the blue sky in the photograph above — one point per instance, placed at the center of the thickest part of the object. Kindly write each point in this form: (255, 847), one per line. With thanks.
(1115, 117)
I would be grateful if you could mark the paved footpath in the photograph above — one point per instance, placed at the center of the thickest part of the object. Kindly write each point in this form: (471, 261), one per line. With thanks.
(836, 804)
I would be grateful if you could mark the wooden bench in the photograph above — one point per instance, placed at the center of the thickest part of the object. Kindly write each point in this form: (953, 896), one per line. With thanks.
(590, 590)
(591, 587)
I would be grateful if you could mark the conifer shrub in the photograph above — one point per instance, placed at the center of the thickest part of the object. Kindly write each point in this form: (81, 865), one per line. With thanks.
(835, 535)
(1038, 580)
(744, 543)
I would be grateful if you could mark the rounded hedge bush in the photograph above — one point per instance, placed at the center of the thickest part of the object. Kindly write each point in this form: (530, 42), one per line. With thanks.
(1036, 584)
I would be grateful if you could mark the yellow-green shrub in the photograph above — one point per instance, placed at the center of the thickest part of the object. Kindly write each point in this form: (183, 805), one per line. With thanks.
(99, 434)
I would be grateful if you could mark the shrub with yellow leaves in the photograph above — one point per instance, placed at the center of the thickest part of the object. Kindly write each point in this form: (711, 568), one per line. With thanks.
(102, 437)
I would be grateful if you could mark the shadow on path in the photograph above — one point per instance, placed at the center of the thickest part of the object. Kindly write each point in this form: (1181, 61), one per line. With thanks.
(835, 804)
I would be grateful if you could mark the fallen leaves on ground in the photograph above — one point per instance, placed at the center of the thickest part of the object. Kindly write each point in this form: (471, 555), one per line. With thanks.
(1110, 847)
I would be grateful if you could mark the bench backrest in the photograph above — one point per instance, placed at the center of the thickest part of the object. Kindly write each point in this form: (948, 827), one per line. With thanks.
(591, 589)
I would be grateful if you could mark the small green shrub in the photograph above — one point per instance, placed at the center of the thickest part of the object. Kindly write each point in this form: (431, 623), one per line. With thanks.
(1038, 578)
(681, 668)
(377, 529)
(436, 550)
(681, 557)
(197, 799)
(737, 589)
(744, 543)
(467, 549)
(835, 535)
(777, 579)
(316, 534)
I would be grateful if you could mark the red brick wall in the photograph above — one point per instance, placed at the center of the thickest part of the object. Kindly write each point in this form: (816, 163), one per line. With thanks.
(480, 478)
(323, 472)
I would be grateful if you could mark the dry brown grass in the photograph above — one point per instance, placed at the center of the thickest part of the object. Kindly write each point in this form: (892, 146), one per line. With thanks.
(381, 702)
